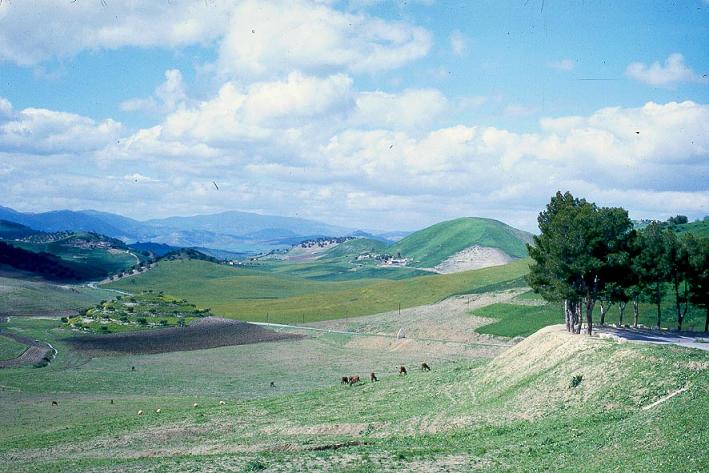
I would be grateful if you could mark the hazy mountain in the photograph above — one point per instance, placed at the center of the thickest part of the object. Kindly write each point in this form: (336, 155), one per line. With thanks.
(232, 231)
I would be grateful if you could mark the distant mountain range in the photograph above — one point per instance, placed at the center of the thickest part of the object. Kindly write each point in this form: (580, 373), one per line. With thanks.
(240, 232)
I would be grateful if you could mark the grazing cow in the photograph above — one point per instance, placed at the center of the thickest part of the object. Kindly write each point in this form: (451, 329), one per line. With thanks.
(402, 370)
(132, 368)
(55, 403)
(273, 385)
(111, 401)
(221, 403)
(344, 380)
(140, 413)
(195, 405)
(373, 377)
(425, 367)
(354, 380)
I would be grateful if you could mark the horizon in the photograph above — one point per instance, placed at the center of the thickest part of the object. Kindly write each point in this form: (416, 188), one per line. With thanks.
(385, 115)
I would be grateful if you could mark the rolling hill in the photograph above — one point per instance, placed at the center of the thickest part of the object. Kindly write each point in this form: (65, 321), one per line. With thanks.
(433, 245)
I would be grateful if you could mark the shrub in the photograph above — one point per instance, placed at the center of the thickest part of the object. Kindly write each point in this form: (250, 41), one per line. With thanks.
(104, 329)
(142, 321)
(163, 322)
(124, 318)
(576, 380)
(65, 319)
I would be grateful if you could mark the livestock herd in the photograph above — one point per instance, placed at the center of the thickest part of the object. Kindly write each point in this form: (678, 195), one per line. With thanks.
(355, 379)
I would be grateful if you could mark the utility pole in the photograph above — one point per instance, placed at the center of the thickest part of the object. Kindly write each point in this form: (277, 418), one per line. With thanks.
(399, 308)
(266, 317)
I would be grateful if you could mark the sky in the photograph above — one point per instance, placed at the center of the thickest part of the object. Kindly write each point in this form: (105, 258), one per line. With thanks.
(374, 114)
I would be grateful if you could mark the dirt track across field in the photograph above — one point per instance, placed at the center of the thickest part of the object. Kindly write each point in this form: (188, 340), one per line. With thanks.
(210, 332)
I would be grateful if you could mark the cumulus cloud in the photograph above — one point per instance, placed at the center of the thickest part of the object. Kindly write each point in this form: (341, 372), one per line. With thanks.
(410, 109)
(671, 72)
(312, 36)
(458, 43)
(562, 65)
(31, 32)
(47, 131)
(168, 96)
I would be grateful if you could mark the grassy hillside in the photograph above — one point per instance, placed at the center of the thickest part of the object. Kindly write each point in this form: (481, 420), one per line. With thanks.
(11, 230)
(252, 295)
(23, 297)
(699, 229)
(432, 245)
(518, 412)
(90, 255)
(353, 248)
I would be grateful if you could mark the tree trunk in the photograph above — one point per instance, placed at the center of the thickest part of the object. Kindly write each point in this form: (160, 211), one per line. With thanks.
(636, 310)
(567, 315)
(604, 311)
(678, 306)
(578, 307)
(706, 321)
(621, 307)
(659, 303)
(589, 314)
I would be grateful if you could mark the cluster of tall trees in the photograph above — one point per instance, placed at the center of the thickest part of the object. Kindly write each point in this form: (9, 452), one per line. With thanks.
(587, 255)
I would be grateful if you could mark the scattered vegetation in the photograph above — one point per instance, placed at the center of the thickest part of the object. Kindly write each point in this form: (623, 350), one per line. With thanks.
(138, 311)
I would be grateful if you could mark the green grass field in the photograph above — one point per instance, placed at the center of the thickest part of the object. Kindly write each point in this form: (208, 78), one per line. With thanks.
(248, 294)
(528, 313)
(23, 297)
(517, 412)
(10, 349)
(434, 244)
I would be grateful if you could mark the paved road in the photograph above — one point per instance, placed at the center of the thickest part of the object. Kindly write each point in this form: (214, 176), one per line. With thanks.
(660, 337)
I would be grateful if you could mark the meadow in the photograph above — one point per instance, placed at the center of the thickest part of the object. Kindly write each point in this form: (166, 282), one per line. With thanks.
(252, 295)
(516, 412)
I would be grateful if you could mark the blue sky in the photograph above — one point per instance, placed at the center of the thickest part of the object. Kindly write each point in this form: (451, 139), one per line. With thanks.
(383, 114)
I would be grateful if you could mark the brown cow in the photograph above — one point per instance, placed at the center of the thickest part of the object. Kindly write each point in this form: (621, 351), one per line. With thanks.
(373, 377)
(354, 380)
(55, 403)
(344, 380)
(425, 367)
(402, 370)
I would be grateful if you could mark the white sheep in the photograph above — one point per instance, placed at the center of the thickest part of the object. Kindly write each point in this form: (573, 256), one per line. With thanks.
(221, 403)
(140, 413)
(157, 411)
(195, 405)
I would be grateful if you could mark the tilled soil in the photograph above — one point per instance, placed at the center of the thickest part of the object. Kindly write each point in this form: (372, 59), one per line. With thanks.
(210, 332)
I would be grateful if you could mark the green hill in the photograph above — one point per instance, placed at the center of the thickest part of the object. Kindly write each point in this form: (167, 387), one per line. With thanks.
(88, 255)
(248, 294)
(356, 247)
(700, 228)
(432, 245)
(11, 230)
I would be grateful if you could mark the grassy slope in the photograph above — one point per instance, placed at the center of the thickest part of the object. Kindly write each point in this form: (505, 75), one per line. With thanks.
(251, 295)
(10, 349)
(699, 229)
(94, 263)
(514, 413)
(21, 297)
(522, 319)
(356, 247)
(434, 244)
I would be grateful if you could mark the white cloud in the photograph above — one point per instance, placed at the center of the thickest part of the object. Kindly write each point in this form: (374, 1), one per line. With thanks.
(672, 72)
(137, 177)
(410, 109)
(31, 32)
(168, 96)
(311, 36)
(46, 131)
(562, 65)
(458, 43)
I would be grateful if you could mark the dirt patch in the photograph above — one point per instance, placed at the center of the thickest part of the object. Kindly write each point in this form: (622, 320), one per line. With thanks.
(474, 257)
(210, 332)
